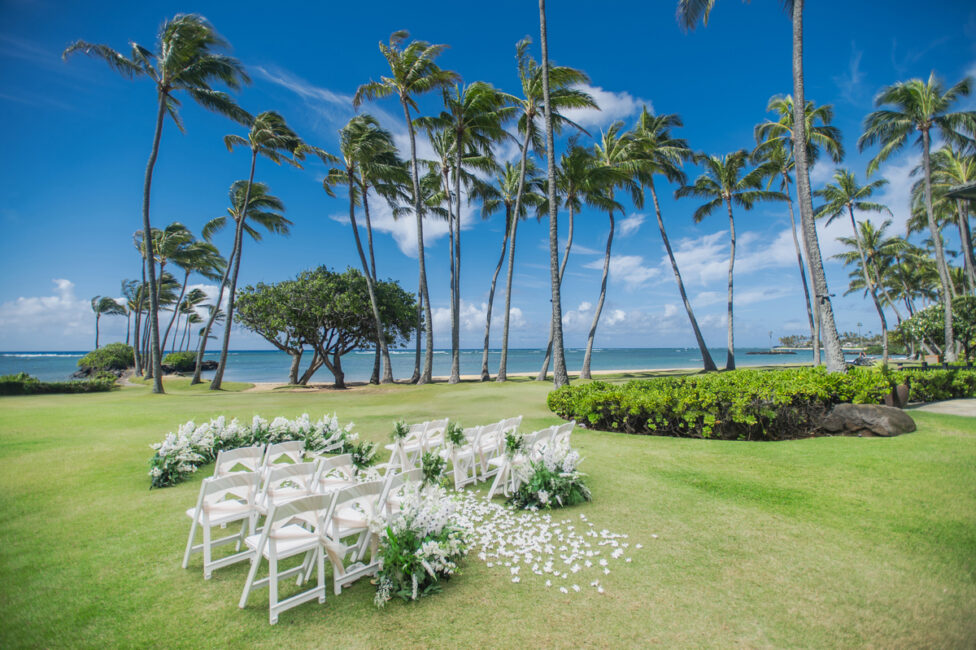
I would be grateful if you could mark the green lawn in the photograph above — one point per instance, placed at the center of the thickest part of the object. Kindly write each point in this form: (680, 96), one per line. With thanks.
(822, 542)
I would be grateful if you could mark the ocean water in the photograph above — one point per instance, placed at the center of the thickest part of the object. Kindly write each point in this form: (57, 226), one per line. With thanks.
(273, 365)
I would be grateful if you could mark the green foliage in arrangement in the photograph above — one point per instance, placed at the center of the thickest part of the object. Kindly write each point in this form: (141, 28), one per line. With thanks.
(553, 481)
(455, 434)
(745, 404)
(400, 430)
(363, 454)
(114, 356)
(181, 361)
(433, 465)
(24, 384)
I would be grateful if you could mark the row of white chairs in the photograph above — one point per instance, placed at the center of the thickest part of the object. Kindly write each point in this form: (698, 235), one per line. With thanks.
(305, 513)
(258, 457)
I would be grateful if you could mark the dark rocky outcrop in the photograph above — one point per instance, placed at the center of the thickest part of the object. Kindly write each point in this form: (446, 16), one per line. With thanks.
(867, 420)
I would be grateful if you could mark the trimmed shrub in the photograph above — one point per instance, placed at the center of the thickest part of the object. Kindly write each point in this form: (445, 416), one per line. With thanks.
(24, 384)
(114, 356)
(181, 361)
(935, 385)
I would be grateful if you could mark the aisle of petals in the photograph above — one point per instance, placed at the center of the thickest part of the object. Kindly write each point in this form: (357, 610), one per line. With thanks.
(566, 551)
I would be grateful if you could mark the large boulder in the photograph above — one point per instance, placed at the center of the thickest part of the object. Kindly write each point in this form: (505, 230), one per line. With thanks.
(867, 420)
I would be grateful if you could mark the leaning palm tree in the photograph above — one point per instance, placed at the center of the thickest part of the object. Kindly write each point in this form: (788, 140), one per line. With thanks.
(689, 13)
(262, 209)
(659, 152)
(130, 292)
(187, 59)
(198, 257)
(845, 195)
(362, 142)
(774, 153)
(187, 306)
(413, 72)
(921, 106)
(725, 181)
(616, 159)
(103, 305)
(269, 136)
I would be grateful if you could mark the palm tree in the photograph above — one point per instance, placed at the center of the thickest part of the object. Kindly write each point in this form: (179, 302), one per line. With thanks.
(262, 209)
(186, 59)
(616, 157)
(658, 152)
(689, 13)
(187, 307)
(198, 257)
(363, 143)
(269, 136)
(922, 106)
(774, 153)
(845, 195)
(104, 305)
(130, 291)
(504, 193)
(725, 182)
(546, 90)
(413, 72)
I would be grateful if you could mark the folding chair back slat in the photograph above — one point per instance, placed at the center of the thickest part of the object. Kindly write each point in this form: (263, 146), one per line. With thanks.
(230, 460)
(292, 451)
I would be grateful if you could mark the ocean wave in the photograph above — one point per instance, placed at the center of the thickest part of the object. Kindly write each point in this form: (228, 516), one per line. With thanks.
(24, 355)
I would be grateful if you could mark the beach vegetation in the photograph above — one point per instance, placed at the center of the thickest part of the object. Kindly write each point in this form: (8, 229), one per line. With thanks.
(114, 356)
(24, 384)
(181, 361)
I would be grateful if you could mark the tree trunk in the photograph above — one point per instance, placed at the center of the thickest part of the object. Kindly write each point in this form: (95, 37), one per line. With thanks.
(485, 376)
(312, 368)
(293, 370)
(824, 308)
(706, 355)
(420, 328)
(213, 314)
(427, 375)
(222, 364)
(730, 360)
(560, 377)
(176, 310)
(453, 379)
(456, 262)
(940, 261)
(869, 284)
(544, 372)
(803, 274)
(384, 350)
(503, 362)
(148, 243)
(97, 316)
(137, 324)
(966, 240)
(585, 372)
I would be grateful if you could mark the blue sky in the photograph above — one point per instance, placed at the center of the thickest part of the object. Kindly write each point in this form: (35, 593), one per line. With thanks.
(78, 136)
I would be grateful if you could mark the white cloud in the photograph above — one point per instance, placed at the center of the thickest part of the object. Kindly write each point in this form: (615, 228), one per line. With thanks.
(851, 82)
(631, 224)
(613, 106)
(59, 320)
(631, 270)
(472, 317)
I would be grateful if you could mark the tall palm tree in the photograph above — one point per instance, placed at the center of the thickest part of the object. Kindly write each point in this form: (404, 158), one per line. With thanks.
(774, 153)
(199, 257)
(103, 305)
(269, 136)
(130, 292)
(921, 106)
(412, 72)
(659, 152)
(616, 157)
(187, 58)
(725, 181)
(362, 142)
(689, 13)
(262, 209)
(845, 195)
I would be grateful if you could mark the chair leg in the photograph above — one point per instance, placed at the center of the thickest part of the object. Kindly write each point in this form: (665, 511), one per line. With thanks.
(273, 587)
(207, 571)
(189, 543)
(320, 557)
(248, 584)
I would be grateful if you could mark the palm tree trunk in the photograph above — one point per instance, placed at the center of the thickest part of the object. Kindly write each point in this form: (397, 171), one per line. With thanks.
(543, 373)
(176, 309)
(380, 338)
(869, 283)
(456, 262)
(503, 362)
(940, 261)
(485, 375)
(585, 372)
(383, 349)
(147, 239)
(966, 241)
(213, 314)
(128, 325)
(706, 355)
(427, 375)
(560, 377)
(97, 316)
(239, 235)
(803, 274)
(824, 308)
(730, 360)
(420, 327)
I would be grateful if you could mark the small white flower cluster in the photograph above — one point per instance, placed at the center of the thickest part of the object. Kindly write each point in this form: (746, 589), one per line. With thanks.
(426, 510)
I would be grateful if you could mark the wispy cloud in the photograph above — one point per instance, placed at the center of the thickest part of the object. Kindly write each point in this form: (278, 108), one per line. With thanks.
(61, 315)
(613, 106)
(630, 270)
(851, 82)
(631, 224)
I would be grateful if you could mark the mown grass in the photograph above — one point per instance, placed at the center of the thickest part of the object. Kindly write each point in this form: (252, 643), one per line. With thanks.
(824, 542)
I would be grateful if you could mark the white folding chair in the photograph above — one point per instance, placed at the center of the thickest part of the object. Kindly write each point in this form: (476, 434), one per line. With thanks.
(511, 425)
(222, 500)
(562, 433)
(242, 459)
(464, 458)
(434, 435)
(350, 516)
(540, 440)
(491, 442)
(282, 483)
(505, 478)
(405, 453)
(393, 493)
(293, 528)
(335, 472)
(292, 451)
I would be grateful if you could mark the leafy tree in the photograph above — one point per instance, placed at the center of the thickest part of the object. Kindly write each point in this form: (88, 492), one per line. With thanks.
(107, 306)
(928, 325)
(186, 59)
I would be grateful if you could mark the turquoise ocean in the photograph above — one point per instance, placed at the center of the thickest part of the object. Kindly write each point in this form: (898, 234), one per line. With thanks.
(272, 365)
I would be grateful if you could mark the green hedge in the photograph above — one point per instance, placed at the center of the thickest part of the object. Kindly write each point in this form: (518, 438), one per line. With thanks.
(744, 404)
(114, 356)
(181, 361)
(24, 384)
